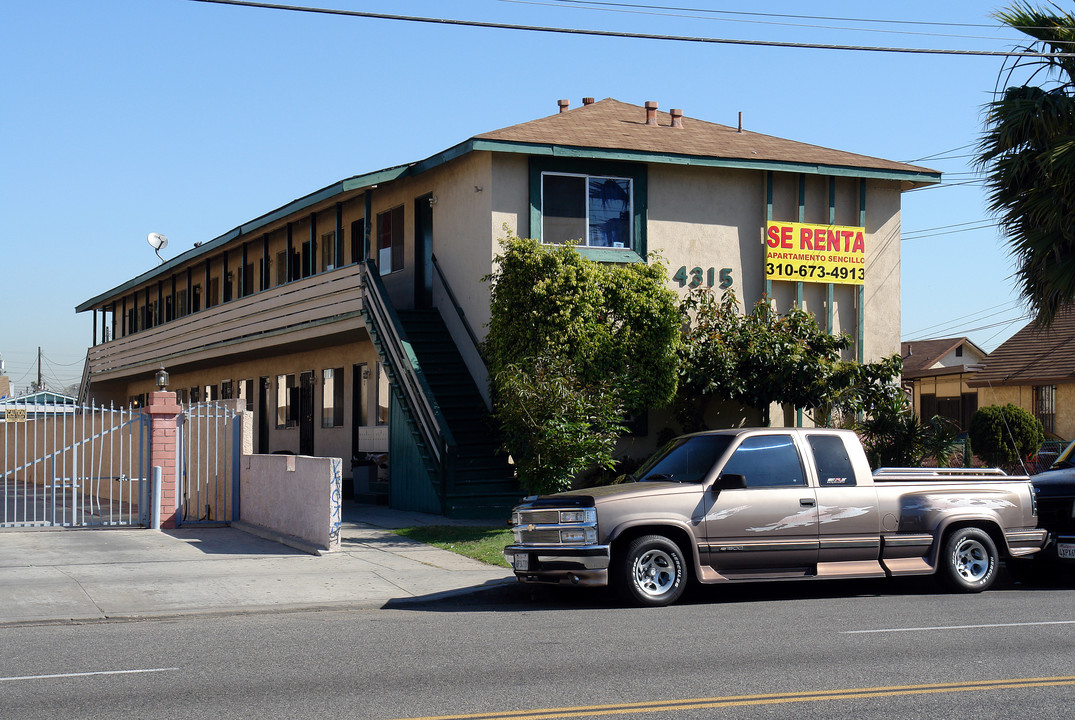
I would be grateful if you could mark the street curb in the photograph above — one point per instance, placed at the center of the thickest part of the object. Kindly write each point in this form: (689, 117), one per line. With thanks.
(489, 587)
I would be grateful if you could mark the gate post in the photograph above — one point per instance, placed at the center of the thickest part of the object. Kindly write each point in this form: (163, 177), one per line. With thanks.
(163, 411)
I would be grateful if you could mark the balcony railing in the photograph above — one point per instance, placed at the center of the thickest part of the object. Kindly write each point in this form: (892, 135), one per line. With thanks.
(303, 309)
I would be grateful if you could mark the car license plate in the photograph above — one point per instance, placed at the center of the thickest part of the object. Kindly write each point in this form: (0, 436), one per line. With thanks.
(522, 561)
(1064, 550)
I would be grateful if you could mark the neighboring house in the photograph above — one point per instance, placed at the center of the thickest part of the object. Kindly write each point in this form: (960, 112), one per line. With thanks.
(43, 401)
(348, 319)
(1035, 369)
(936, 375)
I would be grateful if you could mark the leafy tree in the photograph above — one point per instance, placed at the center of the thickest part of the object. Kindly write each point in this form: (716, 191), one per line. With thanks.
(764, 357)
(1028, 153)
(556, 426)
(1003, 435)
(892, 435)
(606, 333)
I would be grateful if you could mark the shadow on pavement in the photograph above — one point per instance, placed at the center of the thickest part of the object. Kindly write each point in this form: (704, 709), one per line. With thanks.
(229, 541)
(519, 597)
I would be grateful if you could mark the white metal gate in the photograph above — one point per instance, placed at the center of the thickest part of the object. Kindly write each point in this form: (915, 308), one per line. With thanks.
(68, 466)
(210, 444)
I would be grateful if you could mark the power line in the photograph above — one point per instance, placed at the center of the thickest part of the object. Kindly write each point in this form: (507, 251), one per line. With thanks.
(951, 232)
(1005, 307)
(633, 36)
(938, 186)
(944, 152)
(807, 17)
(674, 13)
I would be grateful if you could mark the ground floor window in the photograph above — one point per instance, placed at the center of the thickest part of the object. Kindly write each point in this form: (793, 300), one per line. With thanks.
(246, 393)
(383, 390)
(332, 397)
(285, 415)
(1045, 406)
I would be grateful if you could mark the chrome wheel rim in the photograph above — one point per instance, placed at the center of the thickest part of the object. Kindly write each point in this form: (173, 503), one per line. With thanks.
(654, 572)
(972, 560)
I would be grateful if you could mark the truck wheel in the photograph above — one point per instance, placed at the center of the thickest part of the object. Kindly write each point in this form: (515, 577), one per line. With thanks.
(968, 560)
(652, 571)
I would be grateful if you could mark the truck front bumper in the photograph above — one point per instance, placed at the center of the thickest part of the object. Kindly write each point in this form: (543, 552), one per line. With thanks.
(556, 564)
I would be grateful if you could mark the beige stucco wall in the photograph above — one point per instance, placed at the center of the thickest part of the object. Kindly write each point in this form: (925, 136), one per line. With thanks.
(331, 442)
(1023, 396)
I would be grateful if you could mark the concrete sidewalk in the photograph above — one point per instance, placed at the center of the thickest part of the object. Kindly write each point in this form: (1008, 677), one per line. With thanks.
(87, 575)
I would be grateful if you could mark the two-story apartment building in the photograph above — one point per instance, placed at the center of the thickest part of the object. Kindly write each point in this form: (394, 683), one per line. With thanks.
(348, 319)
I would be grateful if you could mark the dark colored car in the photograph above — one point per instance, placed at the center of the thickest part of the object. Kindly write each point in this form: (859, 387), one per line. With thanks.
(1054, 492)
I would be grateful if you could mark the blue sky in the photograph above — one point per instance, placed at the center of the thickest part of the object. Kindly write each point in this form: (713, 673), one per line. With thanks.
(124, 117)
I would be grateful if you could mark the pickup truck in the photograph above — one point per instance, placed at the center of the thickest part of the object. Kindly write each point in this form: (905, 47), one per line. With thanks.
(773, 504)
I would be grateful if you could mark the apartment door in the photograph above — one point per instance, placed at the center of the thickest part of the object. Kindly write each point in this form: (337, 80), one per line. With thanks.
(306, 413)
(423, 252)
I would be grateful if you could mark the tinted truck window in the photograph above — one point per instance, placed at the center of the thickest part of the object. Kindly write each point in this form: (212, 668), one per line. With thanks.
(831, 460)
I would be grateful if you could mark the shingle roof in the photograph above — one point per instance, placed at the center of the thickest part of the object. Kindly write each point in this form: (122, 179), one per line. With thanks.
(919, 355)
(614, 125)
(1033, 356)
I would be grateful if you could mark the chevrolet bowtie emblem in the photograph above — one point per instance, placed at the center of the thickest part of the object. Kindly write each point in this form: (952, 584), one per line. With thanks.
(531, 527)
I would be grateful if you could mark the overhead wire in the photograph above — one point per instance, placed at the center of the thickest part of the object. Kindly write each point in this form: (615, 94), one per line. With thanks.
(666, 13)
(634, 36)
(787, 15)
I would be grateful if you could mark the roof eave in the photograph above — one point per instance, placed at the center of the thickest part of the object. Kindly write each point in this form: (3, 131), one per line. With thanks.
(913, 178)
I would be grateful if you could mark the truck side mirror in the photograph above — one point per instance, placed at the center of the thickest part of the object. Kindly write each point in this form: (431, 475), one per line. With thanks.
(731, 481)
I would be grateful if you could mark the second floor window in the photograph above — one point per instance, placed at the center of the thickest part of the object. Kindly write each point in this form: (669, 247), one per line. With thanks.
(591, 210)
(390, 240)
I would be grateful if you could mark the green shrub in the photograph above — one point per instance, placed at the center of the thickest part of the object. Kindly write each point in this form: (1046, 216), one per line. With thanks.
(1003, 435)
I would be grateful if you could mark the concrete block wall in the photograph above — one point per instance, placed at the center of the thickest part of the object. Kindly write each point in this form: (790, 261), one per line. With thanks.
(293, 495)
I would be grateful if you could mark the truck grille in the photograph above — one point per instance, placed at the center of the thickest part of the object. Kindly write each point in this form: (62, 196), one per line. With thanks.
(539, 517)
(541, 536)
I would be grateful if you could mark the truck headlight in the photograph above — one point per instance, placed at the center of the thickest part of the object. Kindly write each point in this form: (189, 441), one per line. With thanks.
(578, 536)
(588, 515)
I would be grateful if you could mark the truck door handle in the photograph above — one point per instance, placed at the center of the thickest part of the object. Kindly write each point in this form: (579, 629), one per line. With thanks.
(806, 502)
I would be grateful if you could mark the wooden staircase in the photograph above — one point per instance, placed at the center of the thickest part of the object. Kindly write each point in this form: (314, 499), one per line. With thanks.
(479, 482)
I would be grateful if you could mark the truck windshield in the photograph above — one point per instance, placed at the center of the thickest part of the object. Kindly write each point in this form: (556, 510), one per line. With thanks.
(685, 459)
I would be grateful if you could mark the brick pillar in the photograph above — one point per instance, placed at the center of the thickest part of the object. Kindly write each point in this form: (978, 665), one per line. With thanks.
(163, 412)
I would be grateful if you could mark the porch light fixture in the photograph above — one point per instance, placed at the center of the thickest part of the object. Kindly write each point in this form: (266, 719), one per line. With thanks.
(162, 378)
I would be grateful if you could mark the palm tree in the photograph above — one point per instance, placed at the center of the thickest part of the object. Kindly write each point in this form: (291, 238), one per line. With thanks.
(1028, 154)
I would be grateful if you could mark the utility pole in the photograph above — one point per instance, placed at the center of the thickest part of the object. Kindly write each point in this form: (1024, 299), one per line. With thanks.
(39, 387)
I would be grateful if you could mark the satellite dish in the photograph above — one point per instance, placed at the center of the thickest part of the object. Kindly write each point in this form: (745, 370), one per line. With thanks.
(158, 242)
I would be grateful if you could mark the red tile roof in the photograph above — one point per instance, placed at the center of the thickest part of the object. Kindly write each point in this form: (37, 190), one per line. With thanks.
(613, 125)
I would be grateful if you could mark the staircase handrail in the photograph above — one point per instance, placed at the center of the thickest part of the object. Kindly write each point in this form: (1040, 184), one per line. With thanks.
(458, 309)
(413, 384)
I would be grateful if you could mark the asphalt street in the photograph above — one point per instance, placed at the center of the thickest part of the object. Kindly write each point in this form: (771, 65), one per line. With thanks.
(804, 650)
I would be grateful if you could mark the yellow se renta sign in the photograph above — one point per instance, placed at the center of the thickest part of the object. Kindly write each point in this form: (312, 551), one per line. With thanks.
(815, 253)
